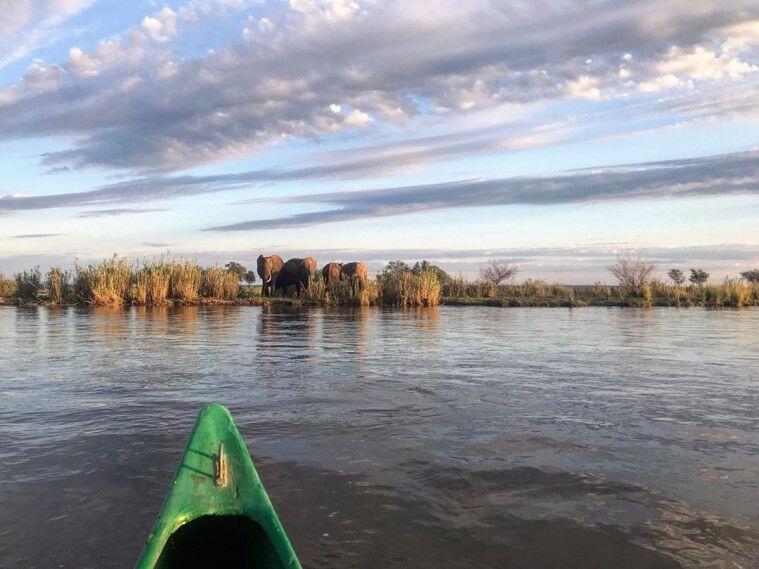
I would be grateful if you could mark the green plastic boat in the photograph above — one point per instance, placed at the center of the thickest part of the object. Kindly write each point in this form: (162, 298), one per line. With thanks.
(217, 513)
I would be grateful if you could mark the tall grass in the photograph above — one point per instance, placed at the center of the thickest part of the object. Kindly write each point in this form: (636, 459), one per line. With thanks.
(218, 283)
(404, 289)
(731, 293)
(185, 280)
(152, 283)
(7, 287)
(105, 283)
(58, 285)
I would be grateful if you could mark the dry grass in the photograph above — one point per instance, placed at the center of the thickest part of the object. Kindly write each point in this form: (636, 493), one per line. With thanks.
(152, 283)
(7, 287)
(404, 289)
(217, 283)
(185, 280)
(105, 283)
(58, 286)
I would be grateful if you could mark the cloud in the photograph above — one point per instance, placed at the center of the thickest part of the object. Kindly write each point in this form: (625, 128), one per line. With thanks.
(116, 211)
(135, 103)
(27, 24)
(711, 176)
(36, 235)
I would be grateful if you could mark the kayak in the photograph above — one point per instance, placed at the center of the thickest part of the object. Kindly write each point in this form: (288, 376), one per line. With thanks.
(217, 512)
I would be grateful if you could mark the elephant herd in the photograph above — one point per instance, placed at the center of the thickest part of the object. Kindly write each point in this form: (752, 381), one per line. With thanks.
(279, 275)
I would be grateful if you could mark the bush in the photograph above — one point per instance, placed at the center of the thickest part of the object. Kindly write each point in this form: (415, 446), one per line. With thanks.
(632, 272)
(58, 285)
(28, 285)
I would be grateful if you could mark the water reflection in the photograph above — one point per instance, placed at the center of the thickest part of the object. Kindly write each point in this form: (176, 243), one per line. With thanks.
(454, 437)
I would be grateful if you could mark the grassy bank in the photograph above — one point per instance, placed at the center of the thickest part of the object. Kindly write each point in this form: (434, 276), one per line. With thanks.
(116, 281)
(731, 293)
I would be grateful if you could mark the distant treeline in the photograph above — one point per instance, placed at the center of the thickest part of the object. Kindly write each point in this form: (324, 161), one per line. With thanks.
(117, 281)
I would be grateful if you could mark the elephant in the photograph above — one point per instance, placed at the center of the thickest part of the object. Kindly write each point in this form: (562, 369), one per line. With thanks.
(356, 273)
(296, 272)
(332, 272)
(268, 270)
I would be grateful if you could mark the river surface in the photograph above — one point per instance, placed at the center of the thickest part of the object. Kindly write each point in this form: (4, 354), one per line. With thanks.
(450, 437)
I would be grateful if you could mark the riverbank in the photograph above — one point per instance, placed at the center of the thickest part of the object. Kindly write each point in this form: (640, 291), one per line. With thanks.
(118, 282)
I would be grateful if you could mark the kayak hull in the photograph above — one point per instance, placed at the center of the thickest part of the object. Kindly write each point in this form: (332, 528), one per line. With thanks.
(217, 512)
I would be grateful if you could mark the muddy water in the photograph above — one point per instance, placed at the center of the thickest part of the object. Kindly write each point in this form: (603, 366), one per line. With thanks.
(456, 437)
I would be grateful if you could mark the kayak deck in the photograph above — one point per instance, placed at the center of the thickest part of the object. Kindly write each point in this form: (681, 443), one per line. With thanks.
(217, 512)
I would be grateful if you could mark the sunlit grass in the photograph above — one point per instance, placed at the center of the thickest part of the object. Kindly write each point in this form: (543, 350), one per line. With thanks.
(116, 281)
(107, 282)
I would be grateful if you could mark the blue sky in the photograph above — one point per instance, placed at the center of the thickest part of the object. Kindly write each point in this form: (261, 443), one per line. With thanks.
(557, 135)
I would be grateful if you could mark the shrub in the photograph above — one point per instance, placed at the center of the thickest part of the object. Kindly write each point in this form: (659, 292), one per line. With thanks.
(105, 283)
(632, 272)
(498, 271)
(698, 277)
(677, 276)
(58, 285)
(28, 284)
(751, 276)
(599, 291)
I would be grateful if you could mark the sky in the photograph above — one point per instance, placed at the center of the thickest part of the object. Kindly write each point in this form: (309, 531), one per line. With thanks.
(557, 135)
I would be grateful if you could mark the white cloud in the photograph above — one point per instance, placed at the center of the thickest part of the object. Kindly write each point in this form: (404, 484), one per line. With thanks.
(81, 64)
(357, 118)
(134, 103)
(25, 25)
(162, 26)
(664, 82)
(584, 87)
(701, 63)
(333, 10)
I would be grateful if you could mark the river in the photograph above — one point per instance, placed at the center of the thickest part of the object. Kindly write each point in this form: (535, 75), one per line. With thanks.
(449, 437)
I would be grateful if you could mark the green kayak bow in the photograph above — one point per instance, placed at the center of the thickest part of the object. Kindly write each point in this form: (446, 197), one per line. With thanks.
(217, 513)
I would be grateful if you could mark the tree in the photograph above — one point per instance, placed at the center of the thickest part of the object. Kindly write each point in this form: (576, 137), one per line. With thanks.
(396, 266)
(632, 272)
(698, 276)
(422, 266)
(677, 276)
(237, 269)
(498, 271)
(751, 276)
(250, 277)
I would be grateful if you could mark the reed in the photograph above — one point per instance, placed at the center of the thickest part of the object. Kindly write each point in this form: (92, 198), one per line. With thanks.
(217, 283)
(152, 281)
(58, 286)
(405, 289)
(7, 287)
(105, 283)
(185, 279)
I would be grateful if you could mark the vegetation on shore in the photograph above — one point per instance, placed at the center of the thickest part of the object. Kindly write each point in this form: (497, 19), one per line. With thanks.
(117, 281)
